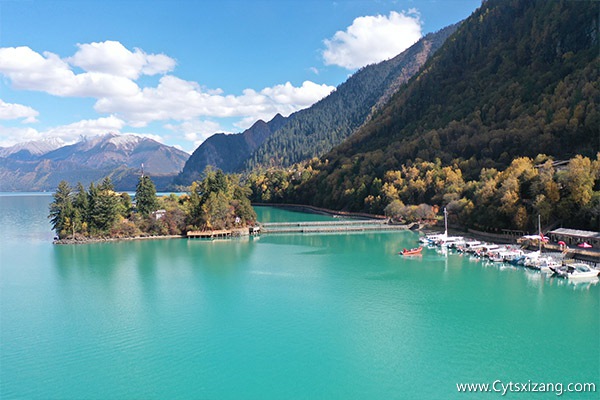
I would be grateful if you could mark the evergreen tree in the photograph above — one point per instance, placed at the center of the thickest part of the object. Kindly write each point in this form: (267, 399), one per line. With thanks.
(125, 205)
(145, 196)
(61, 210)
(81, 206)
(105, 206)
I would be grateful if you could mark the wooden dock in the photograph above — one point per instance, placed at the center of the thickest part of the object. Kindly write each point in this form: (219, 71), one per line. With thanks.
(301, 227)
(217, 234)
(330, 226)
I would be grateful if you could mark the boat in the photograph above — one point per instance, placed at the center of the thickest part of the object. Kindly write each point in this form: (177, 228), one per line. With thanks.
(431, 239)
(437, 238)
(412, 252)
(544, 264)
(575, 271)
(450, 241)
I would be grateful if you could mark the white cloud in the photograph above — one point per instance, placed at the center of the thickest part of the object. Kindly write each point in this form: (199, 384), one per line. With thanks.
(107, 71)
(86, 127)
(180, 100)
(372, 39)
(12, 135)
(113, 58)
(48, 73)
(196, 131)
(17, 111)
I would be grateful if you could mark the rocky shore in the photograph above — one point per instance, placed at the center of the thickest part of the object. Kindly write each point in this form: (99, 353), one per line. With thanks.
(80, 239)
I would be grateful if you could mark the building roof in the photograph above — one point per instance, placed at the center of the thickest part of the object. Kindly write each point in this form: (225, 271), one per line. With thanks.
(576, 232)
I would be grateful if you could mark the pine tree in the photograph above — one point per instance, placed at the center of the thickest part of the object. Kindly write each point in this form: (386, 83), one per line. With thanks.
(145, 196)
(61, 210)
(105, 206)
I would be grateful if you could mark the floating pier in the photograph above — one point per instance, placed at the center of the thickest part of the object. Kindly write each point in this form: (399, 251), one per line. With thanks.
(330, 226)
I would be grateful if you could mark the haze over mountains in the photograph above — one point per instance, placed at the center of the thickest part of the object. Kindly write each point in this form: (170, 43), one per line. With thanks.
(40, 166)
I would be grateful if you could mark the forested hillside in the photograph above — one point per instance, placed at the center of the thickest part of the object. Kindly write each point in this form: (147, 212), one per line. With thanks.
(314, 131)
(519, 78)
(227, 152)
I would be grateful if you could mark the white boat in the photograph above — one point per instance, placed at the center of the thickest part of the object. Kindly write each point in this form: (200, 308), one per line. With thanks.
(512, 255)
(545, 264)
(531, 258)
(439, 237)
(575, 271)
(449, 240)
(468, 244)
(433, 238)
(504, 254)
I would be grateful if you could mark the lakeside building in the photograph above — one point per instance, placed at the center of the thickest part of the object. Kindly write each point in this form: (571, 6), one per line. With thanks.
(575, 237)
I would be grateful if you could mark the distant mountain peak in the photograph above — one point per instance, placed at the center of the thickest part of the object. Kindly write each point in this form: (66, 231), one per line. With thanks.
(89, 159)
(33, 147)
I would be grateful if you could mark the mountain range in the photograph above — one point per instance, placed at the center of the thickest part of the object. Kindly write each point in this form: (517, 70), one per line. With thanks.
(516, 78)
(41, 165)
(314, 131)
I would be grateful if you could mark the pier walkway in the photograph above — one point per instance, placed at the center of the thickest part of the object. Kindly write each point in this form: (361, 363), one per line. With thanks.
(329, 226)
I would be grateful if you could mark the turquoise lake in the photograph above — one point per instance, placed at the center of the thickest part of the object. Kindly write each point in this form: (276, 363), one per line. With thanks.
(322, 316)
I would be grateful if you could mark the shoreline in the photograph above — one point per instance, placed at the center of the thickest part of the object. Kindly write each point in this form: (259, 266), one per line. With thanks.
(86, 240)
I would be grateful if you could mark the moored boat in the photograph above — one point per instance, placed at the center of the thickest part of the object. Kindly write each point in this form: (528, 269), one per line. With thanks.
(575, 271)
(412, 252)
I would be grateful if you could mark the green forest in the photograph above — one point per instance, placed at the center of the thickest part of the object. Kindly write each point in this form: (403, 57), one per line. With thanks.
(500, 125)
(218, 201)
(566, 192)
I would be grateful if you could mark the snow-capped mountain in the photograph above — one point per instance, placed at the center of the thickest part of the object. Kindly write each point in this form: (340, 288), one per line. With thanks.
(31, 149)
(31, 166)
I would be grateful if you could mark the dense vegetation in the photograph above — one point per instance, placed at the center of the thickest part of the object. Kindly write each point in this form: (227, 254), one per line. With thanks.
(217, 202)
(517, 79)
(561, 193)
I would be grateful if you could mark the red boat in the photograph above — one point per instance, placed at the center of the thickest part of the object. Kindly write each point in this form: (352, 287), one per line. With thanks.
(412, 252)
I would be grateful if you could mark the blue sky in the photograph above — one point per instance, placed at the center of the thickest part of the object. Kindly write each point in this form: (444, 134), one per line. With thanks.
(179, 71)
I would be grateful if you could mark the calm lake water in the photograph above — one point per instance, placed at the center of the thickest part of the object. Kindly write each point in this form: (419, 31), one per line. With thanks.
(277, 317)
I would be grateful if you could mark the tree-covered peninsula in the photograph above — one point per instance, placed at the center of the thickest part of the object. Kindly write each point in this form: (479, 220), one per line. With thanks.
(216, 202)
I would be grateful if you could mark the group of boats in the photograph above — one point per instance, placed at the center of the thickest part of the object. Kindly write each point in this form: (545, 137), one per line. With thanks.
(511, 254)
(546, 263)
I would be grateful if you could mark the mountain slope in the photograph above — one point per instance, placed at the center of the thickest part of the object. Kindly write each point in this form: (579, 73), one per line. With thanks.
(227, 152)
(518, 78)
(312, 132)
(119, 156)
